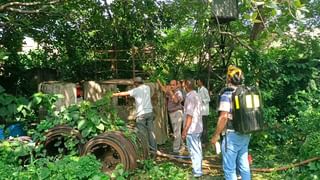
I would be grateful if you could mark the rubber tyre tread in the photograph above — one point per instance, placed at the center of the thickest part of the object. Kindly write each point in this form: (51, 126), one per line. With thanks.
(124, 158)
(129, 147)
(120, 143)
(62, 131)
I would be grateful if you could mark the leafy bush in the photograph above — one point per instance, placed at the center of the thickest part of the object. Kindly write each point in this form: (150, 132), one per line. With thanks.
(90, 118)
(311, 146)
(70, 167)
(12, 108)
(152, 170)
(14, 152)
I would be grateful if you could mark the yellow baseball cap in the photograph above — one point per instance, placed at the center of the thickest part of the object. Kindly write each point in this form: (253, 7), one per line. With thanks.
(232, 70)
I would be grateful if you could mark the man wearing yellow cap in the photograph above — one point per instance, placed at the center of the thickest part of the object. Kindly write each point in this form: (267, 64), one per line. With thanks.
(234, 144)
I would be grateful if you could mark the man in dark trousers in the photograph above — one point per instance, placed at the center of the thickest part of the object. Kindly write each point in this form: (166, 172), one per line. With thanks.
(205, 99)
(144, 113)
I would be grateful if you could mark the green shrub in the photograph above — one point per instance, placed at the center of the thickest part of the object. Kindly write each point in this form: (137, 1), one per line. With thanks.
(70, 167)
(311, 146)
(170, 171)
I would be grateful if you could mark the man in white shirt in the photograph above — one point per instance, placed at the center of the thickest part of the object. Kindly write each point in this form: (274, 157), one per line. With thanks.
(144, 113)
(205, 99)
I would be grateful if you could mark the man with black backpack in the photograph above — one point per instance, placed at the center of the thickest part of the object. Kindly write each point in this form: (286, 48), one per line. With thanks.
(234, 144)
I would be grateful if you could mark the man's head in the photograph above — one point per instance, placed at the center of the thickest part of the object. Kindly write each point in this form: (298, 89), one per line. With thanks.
(200, 82)
(235, 75)
(188, 85)
(137, 81)
(173, 85)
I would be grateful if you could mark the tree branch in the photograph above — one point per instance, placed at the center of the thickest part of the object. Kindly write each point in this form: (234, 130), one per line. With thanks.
(107, 8)
(258, 26)
(15, 6)
(24, 11)
(237, 39)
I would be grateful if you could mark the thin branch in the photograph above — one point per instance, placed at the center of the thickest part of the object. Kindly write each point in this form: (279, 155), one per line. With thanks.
(237, 39)
(5, 6)
(107, 8)
(257, 26)
(12, 6)
(290, 11)
(24, 11)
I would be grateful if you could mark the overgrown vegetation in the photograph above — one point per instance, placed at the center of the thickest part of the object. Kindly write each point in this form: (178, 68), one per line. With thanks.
(276, 44)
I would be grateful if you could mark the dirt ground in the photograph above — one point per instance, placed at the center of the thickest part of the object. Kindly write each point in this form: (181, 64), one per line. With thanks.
(183, 161)
(211, 162)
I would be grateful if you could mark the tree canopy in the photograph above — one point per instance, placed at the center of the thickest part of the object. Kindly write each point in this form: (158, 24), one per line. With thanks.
(275, 42)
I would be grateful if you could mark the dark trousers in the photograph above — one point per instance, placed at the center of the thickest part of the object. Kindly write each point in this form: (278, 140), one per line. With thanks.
(145, 126)
(204, 137)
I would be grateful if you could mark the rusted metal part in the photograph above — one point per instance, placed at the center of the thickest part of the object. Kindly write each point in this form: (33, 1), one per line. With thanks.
(112, 148)
(61, 133)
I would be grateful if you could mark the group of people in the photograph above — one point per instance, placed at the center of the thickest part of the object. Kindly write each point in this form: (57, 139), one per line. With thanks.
(186, 114)
(188, 111)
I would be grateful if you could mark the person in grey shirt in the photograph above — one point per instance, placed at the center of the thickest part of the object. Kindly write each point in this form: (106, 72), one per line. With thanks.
(175, 108)
(144, 113)
(193, 127)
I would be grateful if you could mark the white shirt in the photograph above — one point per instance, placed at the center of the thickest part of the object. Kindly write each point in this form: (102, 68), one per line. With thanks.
(192, 107)
(142, 98)
(205, 99)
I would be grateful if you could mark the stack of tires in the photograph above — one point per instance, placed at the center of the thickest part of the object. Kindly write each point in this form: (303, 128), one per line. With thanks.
(111, 148)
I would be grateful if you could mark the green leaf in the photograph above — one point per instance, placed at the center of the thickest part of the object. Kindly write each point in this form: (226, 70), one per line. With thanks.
(24, 113)
(100, 127)
(257, 21)
(247, 16)
(274, 12)
(81, 124)
(12, 108)
(86, 132)
(297, 4)
(37, 99)
(3, 112)
(1, 89)
(313, 166)
(8, 99)
(95, 120)
(254, 16)
(20, 107)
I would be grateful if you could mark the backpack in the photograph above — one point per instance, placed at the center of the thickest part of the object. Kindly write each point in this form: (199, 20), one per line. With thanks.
(247, 115)
(247, 109)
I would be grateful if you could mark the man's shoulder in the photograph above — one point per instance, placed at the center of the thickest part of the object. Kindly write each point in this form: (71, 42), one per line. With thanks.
(143, 86)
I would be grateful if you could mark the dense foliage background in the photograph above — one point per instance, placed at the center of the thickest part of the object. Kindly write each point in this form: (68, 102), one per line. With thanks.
(276, 43)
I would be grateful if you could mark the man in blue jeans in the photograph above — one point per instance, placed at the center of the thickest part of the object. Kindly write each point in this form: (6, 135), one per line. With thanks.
(234, 144)
(193, 128)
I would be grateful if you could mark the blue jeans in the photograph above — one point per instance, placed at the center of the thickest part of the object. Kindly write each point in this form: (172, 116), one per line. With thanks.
(235, 156)
(195, 150)
(145, 126)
